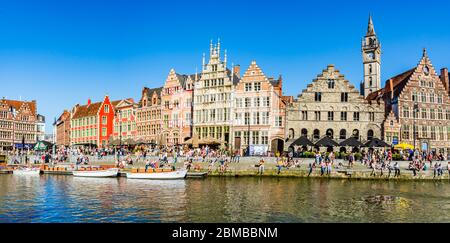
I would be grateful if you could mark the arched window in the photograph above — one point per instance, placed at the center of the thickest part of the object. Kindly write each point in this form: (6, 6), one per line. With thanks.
(370, 81)
(291, 133)
(370, 134)
(304, 132)
(330, 133)
(370, 68)
(343, 134)
(355, 133)
(316, 134)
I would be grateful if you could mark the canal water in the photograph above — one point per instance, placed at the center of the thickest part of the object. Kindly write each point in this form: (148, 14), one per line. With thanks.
(50, 198)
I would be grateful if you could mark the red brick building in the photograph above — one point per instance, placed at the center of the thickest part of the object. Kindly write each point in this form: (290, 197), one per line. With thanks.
(63, 129)
(93, 123)
(418, 107)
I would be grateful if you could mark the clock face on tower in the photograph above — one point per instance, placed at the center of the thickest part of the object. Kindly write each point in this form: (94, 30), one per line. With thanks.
(371, 55)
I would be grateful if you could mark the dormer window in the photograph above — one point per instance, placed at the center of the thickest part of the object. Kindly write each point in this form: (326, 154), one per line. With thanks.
(331, 83)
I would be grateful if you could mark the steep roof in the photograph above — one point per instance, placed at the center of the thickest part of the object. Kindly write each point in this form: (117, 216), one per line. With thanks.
(233, 76)
(17, 104)
(370, 27)
(151, 91)
(397, 83)
(92, 109)
(85, 110)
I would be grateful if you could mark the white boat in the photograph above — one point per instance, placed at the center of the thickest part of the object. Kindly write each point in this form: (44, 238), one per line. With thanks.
(96, 173)
(27, 171)
(172, 175)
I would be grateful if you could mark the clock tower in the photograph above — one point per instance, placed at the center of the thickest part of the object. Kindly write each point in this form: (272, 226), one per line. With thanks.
(371, 51)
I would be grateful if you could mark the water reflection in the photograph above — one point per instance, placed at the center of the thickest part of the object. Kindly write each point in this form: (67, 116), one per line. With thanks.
(51, 198)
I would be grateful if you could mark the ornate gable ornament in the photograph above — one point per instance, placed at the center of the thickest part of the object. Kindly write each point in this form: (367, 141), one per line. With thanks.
(424, 70)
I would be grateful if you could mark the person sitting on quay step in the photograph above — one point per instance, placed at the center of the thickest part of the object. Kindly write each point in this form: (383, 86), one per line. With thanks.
(310, 169)
(261, 166)
(279, 165)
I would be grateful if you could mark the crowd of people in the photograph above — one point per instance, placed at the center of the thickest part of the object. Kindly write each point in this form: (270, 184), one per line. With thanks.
(380, 161)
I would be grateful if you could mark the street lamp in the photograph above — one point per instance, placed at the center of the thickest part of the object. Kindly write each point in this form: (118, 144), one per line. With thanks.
(248, 138)
(415, 110)
(11, 109)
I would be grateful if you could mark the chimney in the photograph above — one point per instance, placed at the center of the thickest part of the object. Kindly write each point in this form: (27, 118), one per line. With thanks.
(391, 87)
(280, 81)
(89, 102)
(445, 80)
(237, 70)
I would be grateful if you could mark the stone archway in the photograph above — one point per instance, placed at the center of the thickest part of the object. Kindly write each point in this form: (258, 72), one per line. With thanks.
(277, 145)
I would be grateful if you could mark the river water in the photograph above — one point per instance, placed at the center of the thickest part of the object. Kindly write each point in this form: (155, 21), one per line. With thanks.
(51, 198)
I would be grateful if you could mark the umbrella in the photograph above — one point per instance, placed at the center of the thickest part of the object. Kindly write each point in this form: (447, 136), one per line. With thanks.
(129, 141)
(141, 141)
(351, 142)
(303, 141)
(210, 140)
(377, 143)
(193, 141)
(40, 145)
(326, 142)
(114, 142)
(403, 146)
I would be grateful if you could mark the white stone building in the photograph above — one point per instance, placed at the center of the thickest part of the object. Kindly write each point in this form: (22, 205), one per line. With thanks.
(213, 98)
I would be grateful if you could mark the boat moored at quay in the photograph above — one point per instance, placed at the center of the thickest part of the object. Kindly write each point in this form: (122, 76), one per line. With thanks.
(96, 172)
(157, 174)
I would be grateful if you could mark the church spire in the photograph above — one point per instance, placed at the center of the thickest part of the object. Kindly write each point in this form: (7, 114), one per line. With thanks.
(370, 27)
(425, 54)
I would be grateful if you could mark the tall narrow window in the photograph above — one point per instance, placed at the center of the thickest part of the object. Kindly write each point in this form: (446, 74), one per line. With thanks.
(317, 115)
(371, 116)
(305, 115)
(343, 116)
(318, 96)
(330, 116)
(247, 118)
(278, 121)
(355, 116)
(344, 97)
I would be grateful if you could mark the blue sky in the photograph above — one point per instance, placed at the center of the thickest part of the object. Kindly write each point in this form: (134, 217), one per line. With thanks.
(64, 52)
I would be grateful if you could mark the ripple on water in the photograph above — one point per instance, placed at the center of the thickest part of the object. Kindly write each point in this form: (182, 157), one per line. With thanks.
(74, 199)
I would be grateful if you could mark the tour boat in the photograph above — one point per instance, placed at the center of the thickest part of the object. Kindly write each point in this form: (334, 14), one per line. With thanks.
(96, 173)
(158, 175)
(27, 171)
